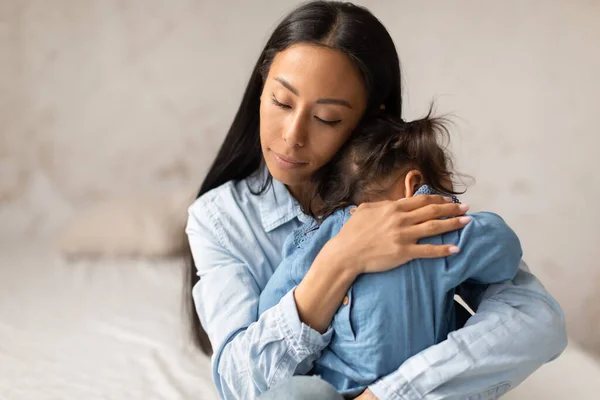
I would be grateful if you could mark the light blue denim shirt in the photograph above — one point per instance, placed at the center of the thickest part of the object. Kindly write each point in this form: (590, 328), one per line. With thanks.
(236, 239)
(390, 316)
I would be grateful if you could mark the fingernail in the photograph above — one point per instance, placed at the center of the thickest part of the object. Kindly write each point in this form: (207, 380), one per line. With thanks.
(448, 199)
(453, 250)
(464, 220)
(463, 207)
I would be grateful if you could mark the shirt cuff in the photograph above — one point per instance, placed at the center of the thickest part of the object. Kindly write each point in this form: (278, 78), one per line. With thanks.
(302, 338)
(383, 389)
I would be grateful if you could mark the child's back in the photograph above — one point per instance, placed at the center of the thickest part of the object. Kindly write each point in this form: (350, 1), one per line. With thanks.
(388, 317)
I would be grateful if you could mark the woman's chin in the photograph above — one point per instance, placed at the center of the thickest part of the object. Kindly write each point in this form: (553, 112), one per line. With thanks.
(288, 177)
(285, 177)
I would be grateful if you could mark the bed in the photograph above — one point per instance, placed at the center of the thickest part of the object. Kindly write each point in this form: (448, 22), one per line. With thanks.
(113, 330)
(94, 329)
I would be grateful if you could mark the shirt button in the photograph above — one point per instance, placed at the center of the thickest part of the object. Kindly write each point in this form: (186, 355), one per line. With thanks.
(346, 300)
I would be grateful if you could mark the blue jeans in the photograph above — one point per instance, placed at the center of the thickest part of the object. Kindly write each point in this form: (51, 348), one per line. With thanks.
(302, 388)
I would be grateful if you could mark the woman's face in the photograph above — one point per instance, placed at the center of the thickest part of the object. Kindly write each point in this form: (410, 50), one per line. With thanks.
(312, 99)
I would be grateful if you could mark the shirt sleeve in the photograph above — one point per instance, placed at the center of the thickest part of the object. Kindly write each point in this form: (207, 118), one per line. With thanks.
(490, 252)
(250, 353)
(517, 328)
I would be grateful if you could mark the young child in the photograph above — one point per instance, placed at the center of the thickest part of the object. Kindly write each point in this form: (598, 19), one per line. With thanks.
(387, 317)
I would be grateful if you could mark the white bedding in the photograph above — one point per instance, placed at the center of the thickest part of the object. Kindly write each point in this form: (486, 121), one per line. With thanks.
(113, 330)
(94, 330)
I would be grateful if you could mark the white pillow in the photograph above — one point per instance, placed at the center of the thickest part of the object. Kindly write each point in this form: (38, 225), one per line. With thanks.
(138, 226)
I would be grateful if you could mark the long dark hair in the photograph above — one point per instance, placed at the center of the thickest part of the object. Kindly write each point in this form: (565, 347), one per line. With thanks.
(380, 148)
(337, 25)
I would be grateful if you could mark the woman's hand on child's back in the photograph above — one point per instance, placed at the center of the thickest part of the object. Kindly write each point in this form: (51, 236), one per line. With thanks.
(383, 235)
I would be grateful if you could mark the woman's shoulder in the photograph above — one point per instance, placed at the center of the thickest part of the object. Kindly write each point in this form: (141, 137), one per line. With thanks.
(239, 193)
(229, 207)
(212, 201)
(224, 191)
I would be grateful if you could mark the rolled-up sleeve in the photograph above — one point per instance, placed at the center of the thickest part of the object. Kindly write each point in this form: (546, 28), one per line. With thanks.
(517, 328)
(250, 353)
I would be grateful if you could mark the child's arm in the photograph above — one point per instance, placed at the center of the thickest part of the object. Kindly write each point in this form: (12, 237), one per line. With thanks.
(281, 282)
(490, 252)
(277, 287)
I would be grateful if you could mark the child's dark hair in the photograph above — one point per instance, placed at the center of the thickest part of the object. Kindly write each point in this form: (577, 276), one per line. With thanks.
(379, 146)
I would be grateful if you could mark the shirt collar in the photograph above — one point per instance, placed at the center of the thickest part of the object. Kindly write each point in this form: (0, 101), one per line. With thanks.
(278, 206)
(426, 189)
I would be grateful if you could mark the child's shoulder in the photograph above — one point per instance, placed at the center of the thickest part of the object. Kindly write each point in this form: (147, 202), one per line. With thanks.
(313, 231)
(488, 222)
(491, 231)
(301, 234)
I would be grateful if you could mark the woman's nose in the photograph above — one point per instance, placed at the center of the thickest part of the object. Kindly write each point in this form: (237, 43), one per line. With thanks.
(295, 134)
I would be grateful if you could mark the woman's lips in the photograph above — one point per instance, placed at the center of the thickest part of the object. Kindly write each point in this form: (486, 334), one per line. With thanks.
(286, 162)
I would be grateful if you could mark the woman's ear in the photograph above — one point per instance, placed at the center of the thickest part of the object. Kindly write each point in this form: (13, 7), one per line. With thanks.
(412, 182)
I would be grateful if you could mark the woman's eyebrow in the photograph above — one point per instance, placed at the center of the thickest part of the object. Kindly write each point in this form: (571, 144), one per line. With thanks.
(287, 85)
(295, 91)
(339, 102)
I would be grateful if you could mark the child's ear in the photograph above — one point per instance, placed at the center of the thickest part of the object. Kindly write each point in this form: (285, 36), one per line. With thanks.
(412, 182)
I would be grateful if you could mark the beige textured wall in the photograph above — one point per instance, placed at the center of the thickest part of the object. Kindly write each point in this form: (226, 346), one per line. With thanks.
(101, 98)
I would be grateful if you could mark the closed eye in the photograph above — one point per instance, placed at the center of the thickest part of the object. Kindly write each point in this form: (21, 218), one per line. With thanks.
(287, 107)
(278, 104)
(330, 123)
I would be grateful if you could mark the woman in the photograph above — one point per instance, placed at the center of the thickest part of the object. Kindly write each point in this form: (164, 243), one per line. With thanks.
(326, 66)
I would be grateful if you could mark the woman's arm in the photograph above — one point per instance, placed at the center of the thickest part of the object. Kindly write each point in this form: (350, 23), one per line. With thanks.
(517, 328)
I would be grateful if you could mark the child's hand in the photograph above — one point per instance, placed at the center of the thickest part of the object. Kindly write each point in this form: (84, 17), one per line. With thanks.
(383, 235)
(366, 395)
